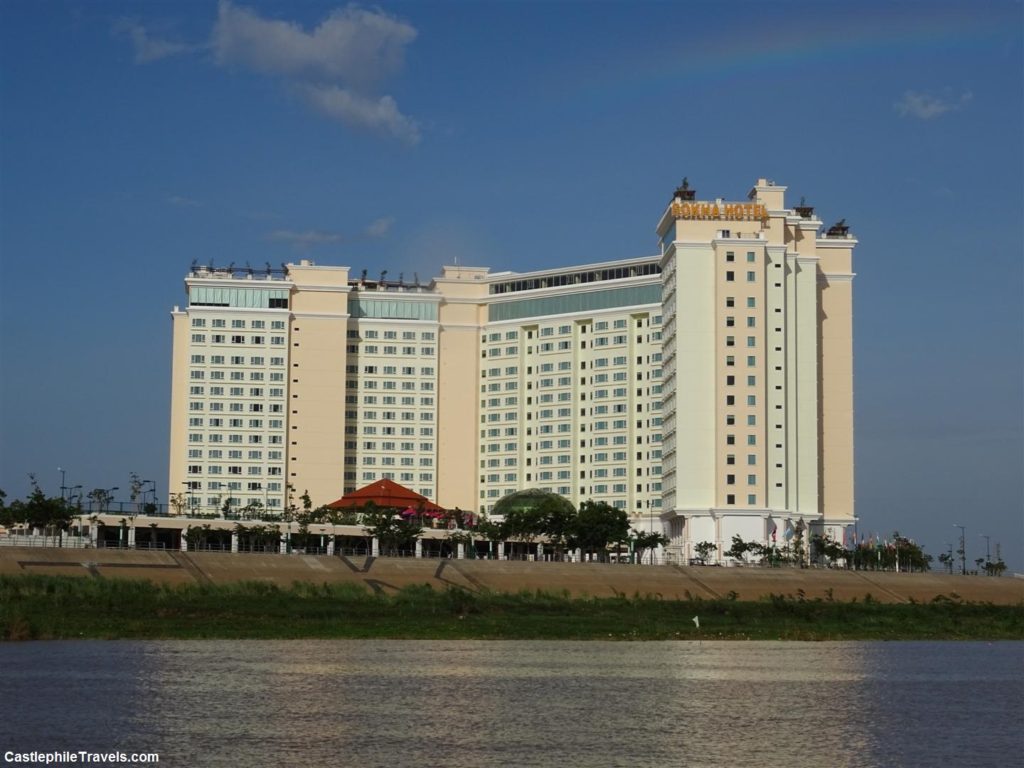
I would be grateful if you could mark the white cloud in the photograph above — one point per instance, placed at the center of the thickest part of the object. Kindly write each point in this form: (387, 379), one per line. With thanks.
(352, 45)
(304, 240)
(148, 49)
(925, 106)
(358, 111)
(336, 67)
(380, 227)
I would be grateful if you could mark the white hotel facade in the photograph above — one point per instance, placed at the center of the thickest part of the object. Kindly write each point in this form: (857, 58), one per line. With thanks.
(707, 390)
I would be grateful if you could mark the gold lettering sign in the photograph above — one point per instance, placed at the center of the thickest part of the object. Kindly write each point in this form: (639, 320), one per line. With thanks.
(723, 212)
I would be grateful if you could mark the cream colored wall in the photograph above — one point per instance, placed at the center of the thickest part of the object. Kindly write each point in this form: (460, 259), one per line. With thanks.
(837, 459)
(696, 395)
(461, 316)
(180, 350)
(315, 438)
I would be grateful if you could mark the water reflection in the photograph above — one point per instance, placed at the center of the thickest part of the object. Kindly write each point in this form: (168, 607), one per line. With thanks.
(405, 703)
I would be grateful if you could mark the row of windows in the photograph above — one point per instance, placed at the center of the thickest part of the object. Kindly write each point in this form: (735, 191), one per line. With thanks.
(387, 461)
(731, 256)
(217, 453)
(196, 406)
(405, 386)
(220, 338)
(370, 429)
(371, 445)
(217, 423)
(199, 437)
(404, 477)
(407, 400)
(730, 499)
(236, 360)
(373, 349)
(388, 335)
(256, 325)
(576, 278)
(199, 389)
(391, 370)
(232, 469)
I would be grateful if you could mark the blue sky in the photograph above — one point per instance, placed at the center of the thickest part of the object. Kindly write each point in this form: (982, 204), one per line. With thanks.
(136, 137)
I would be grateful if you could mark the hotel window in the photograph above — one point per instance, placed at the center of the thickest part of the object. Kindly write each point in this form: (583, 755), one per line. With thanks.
(730, 256)
(752, 302)
(751, 341)
(730, 341)
(751, 499)
(730, 479)
(730, 322)
(730, 360)
(751, 322)
(730, 276)
(751, 479)
(751, 257)
(730, 301)
(730, 498)
(751, 277)
(730, 459)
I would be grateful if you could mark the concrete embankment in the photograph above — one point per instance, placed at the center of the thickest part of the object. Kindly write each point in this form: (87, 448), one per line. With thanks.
(579, 579)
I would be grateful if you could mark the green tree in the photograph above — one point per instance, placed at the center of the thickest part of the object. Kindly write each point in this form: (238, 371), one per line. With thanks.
(946, 559)
(824, 549)
(599, 524)
(738, 549)
(704, 550)
(524, 524)
(995, 569)
(393, 533)
(47, 513)
(558, 521)
(644, 540)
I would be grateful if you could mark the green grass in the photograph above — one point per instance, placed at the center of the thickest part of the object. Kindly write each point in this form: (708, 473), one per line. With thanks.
(53, 607)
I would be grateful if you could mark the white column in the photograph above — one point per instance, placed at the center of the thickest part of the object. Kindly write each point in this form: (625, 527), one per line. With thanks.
(131, 537)
(460, 551)
(234, 541)
(330, 546)
(419, 547)
(374, 547)
(540, 551)
(501, 550)
(184, 541)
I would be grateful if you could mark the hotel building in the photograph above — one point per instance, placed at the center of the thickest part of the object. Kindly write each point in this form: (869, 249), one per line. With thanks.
(707, 389)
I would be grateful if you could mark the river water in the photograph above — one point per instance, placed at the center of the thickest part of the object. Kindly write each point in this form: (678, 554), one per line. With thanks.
(463, 704)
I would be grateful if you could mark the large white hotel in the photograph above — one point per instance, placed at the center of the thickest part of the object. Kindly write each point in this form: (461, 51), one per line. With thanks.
(706, 389)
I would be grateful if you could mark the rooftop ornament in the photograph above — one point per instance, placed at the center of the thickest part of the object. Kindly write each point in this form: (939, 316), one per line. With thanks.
(231, 271)
(683, 191)
(839, 229)
(804, 211)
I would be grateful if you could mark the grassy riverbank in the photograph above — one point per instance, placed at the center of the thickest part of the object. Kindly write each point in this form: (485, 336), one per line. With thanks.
(55, 607)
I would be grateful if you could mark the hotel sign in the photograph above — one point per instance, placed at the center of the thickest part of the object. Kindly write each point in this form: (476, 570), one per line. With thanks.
(720, 211)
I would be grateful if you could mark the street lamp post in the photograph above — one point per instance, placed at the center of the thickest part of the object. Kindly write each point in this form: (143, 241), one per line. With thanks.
(63, 481)
(963, 549)
(988, 548)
